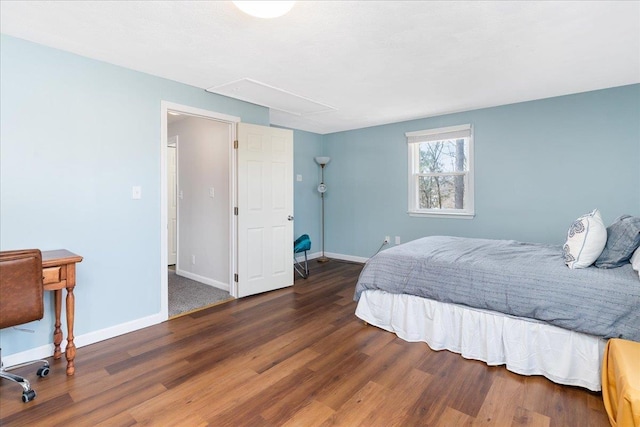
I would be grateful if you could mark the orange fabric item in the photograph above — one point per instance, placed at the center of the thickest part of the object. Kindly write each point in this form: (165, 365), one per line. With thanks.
(621, 382)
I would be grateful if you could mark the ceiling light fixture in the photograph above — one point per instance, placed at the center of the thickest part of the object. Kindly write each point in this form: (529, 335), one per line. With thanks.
(264, 9)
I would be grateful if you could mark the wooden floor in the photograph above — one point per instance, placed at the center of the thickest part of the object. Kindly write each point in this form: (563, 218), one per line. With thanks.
(293, 357)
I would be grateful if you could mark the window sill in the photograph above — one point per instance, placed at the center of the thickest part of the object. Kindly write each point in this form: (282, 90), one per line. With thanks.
(457, 215)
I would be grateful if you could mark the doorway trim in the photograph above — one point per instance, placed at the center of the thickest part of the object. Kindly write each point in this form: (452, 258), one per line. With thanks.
(165, 107)
(173, 143)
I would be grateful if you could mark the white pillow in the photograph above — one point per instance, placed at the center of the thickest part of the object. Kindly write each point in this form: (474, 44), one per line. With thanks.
(635, 261)
(586, 239)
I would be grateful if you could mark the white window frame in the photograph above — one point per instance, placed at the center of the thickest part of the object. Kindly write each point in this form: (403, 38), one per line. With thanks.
(431, 135)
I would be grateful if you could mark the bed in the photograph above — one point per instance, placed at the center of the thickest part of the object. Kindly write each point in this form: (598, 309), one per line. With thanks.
(503, 302)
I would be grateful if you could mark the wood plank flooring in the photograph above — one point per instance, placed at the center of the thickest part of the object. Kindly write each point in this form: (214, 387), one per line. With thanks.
(292, 357)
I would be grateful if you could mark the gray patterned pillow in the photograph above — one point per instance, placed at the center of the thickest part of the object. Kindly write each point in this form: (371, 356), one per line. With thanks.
(623, 238)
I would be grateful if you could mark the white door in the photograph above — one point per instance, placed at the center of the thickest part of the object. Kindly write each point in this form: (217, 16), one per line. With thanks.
(172, 201)
(265, 209)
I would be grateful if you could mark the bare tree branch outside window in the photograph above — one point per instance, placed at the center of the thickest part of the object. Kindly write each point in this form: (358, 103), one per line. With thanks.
(438, 189)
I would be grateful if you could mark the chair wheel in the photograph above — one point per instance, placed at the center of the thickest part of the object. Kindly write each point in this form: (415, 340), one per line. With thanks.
(28, 396)
(43, 372)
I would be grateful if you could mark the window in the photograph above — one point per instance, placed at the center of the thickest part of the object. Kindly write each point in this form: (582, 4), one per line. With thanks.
(441, 172)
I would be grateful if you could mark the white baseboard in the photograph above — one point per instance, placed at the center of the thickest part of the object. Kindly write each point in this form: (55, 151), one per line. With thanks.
(203, 280)
(300, 256)
(315, 255)
(351, 258)
(82, 340)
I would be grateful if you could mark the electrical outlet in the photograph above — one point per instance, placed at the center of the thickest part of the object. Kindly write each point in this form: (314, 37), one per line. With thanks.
(397, 240)
(193, 259)
(387, 239)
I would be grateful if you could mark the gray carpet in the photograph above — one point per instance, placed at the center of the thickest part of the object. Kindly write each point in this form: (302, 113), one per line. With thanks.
(186, 295)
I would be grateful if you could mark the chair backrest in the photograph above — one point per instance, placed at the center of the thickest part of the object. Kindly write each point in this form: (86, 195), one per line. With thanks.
(302, 243)
(21, 299)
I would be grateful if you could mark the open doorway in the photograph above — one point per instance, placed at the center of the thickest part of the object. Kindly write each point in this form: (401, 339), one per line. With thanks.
(199, 246)
(199, 210)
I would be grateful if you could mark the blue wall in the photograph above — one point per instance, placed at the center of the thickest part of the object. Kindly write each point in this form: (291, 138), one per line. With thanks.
(538, 166)
(306, 146)
(76, 135)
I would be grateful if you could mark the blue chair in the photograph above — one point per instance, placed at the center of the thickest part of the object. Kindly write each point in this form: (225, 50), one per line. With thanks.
(301, 244)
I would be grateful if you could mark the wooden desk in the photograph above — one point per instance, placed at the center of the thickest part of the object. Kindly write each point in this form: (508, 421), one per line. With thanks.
(59, 272)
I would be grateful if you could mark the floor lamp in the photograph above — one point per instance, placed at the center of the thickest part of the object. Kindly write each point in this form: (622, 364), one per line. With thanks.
(322, 188)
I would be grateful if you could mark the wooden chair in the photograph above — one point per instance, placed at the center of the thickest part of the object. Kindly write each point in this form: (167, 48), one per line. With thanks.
(21, 301)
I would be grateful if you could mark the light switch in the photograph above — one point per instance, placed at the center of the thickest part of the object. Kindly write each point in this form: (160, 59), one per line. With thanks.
(211, 192)
(180, 195)
(299, 178)
(136, 192)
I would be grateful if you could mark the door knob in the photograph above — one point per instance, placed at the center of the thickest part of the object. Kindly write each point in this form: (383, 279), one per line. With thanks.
(290, 218)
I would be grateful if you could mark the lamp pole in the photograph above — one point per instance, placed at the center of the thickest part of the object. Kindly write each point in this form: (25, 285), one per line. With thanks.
(322, 258)
(322, 161)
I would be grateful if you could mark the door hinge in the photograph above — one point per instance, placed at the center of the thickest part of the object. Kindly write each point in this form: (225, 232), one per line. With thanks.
(235, 277)
(235, 144)
(235, 211)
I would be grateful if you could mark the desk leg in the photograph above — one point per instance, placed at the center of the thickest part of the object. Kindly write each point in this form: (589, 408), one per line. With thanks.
(70, 351)
(57, 332)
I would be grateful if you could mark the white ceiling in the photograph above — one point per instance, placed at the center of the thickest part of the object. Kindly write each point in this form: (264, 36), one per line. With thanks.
(367, 62)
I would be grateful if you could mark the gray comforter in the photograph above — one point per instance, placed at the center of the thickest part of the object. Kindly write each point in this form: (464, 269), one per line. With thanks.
(520, 279)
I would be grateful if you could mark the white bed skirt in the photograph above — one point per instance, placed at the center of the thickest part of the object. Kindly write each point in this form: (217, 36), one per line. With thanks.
(525, 346)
